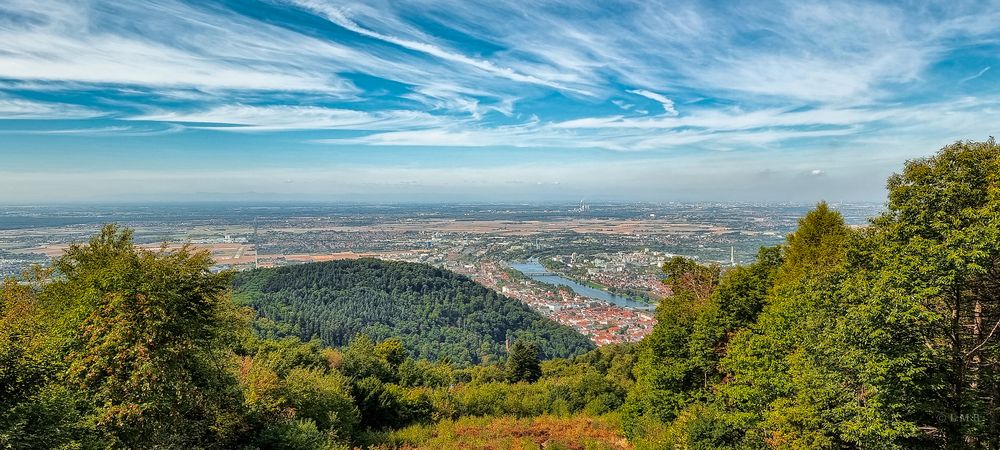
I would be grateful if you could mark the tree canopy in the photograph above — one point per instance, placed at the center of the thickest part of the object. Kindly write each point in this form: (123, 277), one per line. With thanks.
(434, 313)
(522, 363)
(843, 338)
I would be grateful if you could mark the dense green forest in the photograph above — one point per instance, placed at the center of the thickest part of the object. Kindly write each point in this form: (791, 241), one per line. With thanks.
(435, 313)
(884, 336)
(879, 337)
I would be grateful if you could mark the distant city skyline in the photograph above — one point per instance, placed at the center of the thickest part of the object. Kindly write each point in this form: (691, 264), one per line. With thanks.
(459, 101)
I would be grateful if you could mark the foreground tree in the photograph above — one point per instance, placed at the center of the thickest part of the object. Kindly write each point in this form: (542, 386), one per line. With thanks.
(938, 248)
(779, 384)
(678, 362)
(887, 335)
(523, 364)
(148, 348)
(669, 374)
(36, 410)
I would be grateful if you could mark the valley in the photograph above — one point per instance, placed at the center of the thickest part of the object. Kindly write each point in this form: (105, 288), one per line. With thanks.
(615, 249)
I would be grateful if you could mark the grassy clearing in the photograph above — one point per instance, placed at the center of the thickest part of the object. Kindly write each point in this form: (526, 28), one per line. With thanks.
(509, 433)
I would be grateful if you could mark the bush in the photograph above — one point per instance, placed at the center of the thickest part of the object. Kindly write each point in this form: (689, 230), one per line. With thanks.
(323, 398)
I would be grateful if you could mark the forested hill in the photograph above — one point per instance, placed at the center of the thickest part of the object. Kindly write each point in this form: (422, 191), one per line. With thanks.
(436, 313)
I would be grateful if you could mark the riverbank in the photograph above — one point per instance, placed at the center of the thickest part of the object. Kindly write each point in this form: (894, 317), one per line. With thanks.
(627, 276)
(536, 271)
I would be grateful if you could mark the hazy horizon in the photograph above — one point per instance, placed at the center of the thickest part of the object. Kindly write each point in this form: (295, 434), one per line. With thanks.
(295, 201)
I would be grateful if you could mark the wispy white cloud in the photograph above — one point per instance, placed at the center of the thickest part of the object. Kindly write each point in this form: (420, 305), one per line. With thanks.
(804, 51)
(668, 104)
(337, 16)
(623, 104)
(738, 119)
(16, 108)
(178, 46)
(525, 135)
(108, 131)
(731, 129)
(282, 117)
(452, 98)
(977, 75)
(796, 84)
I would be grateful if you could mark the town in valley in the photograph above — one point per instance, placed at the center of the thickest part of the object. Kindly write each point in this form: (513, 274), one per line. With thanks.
(594, 267)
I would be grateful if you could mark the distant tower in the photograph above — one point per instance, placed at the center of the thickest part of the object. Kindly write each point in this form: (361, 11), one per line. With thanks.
(256, 251)
(732, 255)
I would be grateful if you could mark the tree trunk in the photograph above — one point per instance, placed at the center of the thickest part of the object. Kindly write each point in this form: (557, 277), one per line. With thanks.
(953, 423)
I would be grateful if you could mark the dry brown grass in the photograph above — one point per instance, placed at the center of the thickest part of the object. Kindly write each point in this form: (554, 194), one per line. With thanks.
(508, 433)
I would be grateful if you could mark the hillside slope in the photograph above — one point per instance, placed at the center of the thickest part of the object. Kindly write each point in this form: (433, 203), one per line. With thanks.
(436, 313)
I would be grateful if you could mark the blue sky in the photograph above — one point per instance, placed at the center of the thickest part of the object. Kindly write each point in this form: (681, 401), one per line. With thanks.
(454, 100)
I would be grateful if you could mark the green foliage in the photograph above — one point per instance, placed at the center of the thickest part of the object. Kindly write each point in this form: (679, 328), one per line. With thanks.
(421, 372)
(387, 405)
(149, 346)
(743, 291)
(726, 341)
(434, 313)
(934, 257)
(418, 391)
(133, 348)
(817, 247)
(293, 396)
(702, 427)
(589, 393)
(776, 366)
(322, 397)
(678, 362)
(139, 349)
(522, 363)
(298, 434)
(686, 277)
(360, 360)
(36, 411)
(844, 339)
(391, 351)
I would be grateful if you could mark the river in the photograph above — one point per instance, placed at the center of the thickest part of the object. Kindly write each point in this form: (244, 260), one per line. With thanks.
(538, 272)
